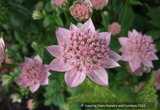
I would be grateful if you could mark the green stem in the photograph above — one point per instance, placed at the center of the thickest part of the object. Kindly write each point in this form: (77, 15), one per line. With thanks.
(67, 18)
(8, 65)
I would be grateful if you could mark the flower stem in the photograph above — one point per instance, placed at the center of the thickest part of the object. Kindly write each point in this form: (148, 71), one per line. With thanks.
(67, 18)
(8, 65)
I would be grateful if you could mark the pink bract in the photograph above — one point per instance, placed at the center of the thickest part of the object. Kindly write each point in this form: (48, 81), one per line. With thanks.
(33, 74)
(157, 79)
(2, 50)
(115, 28)
(138, 49)
(99, 4)
(83, 51)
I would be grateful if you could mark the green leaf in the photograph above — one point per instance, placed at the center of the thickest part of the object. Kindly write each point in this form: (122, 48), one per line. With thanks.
(59, 21)
(48, 20)
(126, 18)
(156, 42)
(95, 93)
(154, 33)
(148, 92)
(135, 2)
(19, 38)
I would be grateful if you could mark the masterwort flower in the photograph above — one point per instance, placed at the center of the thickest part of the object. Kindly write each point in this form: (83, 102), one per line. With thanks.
(2, 50)
(115, 28)
(99, 4)
(83, 51)
(138, 49)
(33, 74)
(157, 79)
(81, 10)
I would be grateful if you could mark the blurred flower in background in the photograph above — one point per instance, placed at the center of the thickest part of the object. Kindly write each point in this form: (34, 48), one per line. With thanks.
(31, 104)
(115, 28)
(58, 3)
(99, 4)
(16, 97)
(2, 50)
(157, 79)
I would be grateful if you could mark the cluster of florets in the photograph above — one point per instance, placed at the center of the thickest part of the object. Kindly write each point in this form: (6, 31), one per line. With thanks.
(81, 10)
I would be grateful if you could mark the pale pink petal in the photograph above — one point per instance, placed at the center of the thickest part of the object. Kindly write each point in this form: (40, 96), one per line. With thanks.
(74, 78)
(129, 34)
(45, 81)
(38, 59)
(135, 32)
(134, 64)
(18, 79)
(73, 27)
(34, 86)
(57, 65)
(110, 64)
(2, 41)
(106, 35)
(148, 63)
(21, 65)
(126, 57)
(27, 60)
(123, 40)
(55, 50)
(106, 2)
(154, 57)
(122, 49)
(24, 84)
(88, 24)
(158, 70)
(99, 76)
(114, 56)
(61, 33)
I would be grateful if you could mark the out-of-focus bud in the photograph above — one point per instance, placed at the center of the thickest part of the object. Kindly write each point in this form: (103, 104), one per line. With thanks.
(32, 104)
(16, 97)
(146, 69)
(79, 25)
(6, 79)
(81, 10)
(58, 3)
(105, 14)
(37, 15)
(34, 45)
(99, 4)
(115, 28)
(39, 6)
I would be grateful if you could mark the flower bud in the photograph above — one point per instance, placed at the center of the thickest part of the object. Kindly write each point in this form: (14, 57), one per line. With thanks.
(37, 15)
(31, 104)
(16, 97)
(81, 10)
(6, 79)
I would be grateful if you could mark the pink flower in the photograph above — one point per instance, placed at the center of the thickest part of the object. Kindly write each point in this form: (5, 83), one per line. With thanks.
(81, 10)
(83, 51)
(2, 50)
(30, 104)
(99, 4)
(58, 3)
(115, 28)
(33, 74)
(138, 49)
(157, 79)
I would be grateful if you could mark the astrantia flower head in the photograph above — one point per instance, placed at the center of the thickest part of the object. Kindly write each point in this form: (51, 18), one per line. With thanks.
(83, 51)
(81, 10)
(99, 4)
(58, 3)
(115, 28)
(157, 79)
(33, 74)
(2, 50)
(138, 49)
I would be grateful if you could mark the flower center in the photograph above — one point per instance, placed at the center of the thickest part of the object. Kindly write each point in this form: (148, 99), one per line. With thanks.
(84, 50)
(32, 72)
